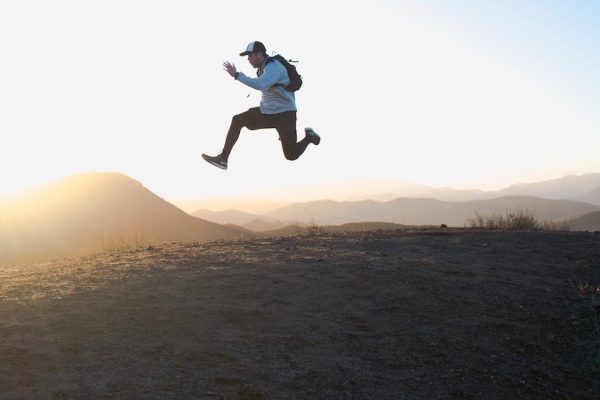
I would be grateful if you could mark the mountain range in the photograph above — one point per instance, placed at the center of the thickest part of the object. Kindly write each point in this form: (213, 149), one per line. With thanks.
(592, 197)
(409, 211)
(253, 222)
(570, 187)
(582, 188)
(98, 212)
(560, 199)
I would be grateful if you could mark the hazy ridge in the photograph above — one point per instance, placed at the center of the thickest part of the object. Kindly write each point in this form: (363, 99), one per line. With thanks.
(560, 199)
(567, 187)
(592, 197)
(410, 211)
(587, 222)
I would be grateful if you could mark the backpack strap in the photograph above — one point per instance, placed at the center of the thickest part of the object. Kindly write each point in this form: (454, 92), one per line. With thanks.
(293, 75)
(261, 71)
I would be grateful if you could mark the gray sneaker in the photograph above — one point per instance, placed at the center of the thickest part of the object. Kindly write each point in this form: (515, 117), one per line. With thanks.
(217, 161)
(312, 135)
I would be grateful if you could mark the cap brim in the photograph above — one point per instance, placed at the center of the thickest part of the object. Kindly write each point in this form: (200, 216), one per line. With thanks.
(245, 53)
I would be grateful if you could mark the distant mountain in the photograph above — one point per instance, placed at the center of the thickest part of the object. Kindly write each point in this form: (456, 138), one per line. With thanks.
(226, 217)
(251, 206)
(592, 197)
(409, 211)
(96, 212)
(567, 187)
(443, 194)
(260, 225)
(456, 195)
(253, 222)
(570, 187)
(587, 222)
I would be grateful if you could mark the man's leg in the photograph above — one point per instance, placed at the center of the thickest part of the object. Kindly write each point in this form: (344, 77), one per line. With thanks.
(248, 119)
(286, 127)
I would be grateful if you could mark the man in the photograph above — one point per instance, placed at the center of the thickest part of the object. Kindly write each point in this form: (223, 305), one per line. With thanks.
(277, 107)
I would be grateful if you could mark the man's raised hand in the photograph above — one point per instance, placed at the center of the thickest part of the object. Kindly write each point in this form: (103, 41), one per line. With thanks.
(230, 68)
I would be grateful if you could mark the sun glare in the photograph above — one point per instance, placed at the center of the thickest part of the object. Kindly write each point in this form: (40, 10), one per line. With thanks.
(413, 92)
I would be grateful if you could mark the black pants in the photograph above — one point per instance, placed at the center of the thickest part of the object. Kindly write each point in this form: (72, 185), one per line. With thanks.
(253, 119)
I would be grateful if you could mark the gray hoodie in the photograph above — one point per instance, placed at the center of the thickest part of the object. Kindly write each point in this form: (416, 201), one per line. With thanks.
(272, 82)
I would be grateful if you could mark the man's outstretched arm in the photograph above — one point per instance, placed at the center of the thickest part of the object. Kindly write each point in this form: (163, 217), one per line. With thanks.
(269, 78)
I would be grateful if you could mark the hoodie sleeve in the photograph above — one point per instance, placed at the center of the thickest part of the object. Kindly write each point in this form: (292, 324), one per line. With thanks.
(272, 75)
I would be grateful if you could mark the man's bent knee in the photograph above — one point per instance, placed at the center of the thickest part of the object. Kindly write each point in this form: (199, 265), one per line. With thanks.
(291, 156)
(238, 120)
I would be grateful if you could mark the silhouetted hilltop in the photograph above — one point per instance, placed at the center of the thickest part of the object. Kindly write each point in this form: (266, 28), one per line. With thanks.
(94, 212)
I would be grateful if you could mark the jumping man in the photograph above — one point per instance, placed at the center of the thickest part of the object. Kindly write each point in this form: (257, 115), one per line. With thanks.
(277, 107)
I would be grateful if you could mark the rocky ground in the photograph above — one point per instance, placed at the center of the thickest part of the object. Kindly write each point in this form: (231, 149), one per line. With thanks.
(433, 314)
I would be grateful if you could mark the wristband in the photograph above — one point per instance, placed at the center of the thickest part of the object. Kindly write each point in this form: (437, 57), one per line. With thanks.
(236, 75)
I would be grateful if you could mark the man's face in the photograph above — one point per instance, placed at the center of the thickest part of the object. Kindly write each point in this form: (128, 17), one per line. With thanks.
(255, 59)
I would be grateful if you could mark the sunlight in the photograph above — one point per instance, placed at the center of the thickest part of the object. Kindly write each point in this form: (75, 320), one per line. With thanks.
(144, 94)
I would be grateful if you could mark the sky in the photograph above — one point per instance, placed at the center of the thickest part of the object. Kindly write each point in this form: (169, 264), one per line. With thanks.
(466, 94)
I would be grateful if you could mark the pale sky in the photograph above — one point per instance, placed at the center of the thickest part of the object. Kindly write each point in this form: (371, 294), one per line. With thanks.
(468, 94)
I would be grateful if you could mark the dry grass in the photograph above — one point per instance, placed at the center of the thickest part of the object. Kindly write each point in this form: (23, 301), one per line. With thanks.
(514, 220)
(116, 242)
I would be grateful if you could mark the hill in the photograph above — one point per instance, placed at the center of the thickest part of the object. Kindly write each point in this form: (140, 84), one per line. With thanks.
(95, 212)
(251, 206)
(454, 314)
(583, 188)
(263, 225)
(226, 216)
(252, 222)
(587, 222)
(592, 197)
(411, 211)
(567, 187)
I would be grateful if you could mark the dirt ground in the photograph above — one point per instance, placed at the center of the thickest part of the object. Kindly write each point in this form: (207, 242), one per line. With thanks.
(434, 314)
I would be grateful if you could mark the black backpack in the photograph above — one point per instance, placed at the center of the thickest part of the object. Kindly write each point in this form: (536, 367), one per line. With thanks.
(295, 78)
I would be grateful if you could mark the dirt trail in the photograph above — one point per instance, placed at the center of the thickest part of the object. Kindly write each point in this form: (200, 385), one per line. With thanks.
(453, 314)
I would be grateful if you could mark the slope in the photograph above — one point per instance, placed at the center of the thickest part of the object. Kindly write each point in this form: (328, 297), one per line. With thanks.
(592, 197)
(587, 222)
(94, 212)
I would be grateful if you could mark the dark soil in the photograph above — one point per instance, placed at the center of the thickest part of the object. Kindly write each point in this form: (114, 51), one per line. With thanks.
(435, 314)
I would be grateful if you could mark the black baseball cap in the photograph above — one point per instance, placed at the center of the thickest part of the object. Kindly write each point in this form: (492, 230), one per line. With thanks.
(253, 48)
